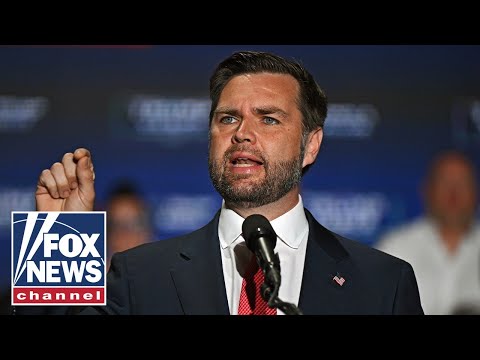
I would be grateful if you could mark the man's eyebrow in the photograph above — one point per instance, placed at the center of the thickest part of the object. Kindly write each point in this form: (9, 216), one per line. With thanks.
(267, 110)
(227, 110)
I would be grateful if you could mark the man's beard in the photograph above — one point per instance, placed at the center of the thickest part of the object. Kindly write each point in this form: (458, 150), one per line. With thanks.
(280, 178)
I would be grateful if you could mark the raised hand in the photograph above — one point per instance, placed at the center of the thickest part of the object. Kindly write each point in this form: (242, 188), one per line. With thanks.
(67, 185)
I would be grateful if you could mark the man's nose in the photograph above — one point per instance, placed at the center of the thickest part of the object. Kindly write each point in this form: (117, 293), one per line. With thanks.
(245, 132)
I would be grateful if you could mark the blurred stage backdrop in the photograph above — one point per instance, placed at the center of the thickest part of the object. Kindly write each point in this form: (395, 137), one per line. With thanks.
(143, 112)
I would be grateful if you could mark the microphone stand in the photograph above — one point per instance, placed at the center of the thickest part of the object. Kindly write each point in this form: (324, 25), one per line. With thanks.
(271, 286)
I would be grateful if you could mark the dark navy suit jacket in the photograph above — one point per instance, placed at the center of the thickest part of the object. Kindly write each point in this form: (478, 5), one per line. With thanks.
(184, 276)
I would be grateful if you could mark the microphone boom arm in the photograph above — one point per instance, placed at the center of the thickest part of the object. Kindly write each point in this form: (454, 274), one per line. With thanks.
(270, 287)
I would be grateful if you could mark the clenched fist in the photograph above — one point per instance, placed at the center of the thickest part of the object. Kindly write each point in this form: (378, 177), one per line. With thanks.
(67, 185)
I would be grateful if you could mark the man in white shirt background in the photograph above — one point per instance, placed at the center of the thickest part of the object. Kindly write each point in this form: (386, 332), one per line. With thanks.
(443, 245)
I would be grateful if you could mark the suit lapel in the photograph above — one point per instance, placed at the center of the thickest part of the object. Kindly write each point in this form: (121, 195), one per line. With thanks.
(325, 259)
(198, 274)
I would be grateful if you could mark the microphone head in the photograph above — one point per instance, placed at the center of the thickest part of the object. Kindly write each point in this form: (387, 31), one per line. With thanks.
(255, 226)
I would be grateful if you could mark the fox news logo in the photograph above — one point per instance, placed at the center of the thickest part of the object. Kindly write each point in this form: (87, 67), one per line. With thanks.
(58, 258)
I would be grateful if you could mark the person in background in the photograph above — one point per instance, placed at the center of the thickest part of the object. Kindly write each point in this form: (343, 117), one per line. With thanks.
(128, 219)
(443, 245)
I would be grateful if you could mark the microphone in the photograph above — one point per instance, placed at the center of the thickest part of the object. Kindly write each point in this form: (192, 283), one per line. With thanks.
(261, 240)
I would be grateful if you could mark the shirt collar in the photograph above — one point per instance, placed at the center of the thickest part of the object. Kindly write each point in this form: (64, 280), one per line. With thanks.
(289, 227)
(470, 235)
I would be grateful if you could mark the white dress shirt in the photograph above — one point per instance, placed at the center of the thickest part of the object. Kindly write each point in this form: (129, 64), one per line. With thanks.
(445, 281)
(292, 234)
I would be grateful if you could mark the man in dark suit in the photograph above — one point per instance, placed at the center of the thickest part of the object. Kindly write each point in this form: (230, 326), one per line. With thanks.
(266, 128)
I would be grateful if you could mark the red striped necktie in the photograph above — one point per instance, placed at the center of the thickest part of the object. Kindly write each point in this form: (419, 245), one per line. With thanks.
(251, 302)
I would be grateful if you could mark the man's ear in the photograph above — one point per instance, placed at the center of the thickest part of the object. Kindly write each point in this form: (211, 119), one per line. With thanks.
(312, 147)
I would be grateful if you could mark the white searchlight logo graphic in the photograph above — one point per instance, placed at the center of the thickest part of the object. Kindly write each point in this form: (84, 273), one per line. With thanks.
(58, 258)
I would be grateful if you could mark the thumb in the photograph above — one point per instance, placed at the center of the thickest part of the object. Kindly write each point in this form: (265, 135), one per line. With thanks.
(86, 177)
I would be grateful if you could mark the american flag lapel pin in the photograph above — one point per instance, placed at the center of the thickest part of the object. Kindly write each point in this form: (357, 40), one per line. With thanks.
(339, 279)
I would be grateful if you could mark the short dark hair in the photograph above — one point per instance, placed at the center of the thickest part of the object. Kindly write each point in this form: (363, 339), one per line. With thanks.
(125, 188)
(121, 188)
(312, 102)
(448, 154)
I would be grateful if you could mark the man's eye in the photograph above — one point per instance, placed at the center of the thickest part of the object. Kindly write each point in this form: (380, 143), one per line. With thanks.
(270, 121)
(228, 120)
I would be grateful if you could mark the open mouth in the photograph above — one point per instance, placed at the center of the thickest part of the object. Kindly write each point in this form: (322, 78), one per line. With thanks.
(245, 160)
